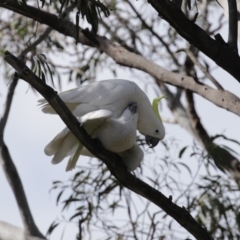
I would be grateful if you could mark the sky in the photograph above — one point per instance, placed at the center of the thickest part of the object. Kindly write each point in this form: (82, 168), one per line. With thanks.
(29, 130)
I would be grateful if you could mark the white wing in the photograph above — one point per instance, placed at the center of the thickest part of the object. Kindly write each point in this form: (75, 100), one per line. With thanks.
(119, 134)
(116, 135)
(66, 144)
(102, 94)
(94, 104)
(115, 96)
(93, 120)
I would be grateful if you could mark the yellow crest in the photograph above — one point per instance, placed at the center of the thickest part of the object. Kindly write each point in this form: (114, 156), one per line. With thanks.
(155, 106)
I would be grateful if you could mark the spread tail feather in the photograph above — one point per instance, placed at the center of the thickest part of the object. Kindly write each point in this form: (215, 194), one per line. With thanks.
(63, 145)
(56, 143)
(73, 159)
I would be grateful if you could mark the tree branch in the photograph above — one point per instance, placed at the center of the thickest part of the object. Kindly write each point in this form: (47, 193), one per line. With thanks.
(8, 104)
(60, 24)
(150, 29)
(202, 68)
(232, 24)
(43, 36)
(178, 111)
(18, 190)
(113, 161)
(7, 162)
(224, 99)
(190, 121)
(222, 158)
(223, 55)
(11, 171)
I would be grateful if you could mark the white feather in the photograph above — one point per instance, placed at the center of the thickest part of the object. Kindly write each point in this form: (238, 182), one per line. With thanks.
(115, 96)
(115, 134)
(102, 108)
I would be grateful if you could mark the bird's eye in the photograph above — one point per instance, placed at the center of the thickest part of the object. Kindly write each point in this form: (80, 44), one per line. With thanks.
(156, 131)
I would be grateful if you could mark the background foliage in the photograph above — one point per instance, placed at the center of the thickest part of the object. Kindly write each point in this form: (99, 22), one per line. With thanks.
(102, 207)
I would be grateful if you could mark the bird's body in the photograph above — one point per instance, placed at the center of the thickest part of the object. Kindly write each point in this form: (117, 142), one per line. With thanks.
(103, 109)
(131, 157)
(115, 134)
(112, 95)
(118, 134)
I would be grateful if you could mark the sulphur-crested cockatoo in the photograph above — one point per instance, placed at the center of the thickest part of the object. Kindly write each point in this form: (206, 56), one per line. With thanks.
(117, 135)
(115, 96)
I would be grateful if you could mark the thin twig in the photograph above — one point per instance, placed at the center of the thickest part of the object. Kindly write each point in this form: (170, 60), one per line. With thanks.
(8, 165)
(133, 223)
(202, 68)
(41, 38)
(150, 29)
(8, 104)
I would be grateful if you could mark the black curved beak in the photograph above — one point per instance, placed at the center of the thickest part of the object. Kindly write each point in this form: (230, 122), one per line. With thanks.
(151, 141)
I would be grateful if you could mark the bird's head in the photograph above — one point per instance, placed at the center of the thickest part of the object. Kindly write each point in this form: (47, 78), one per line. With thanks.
(156, 128)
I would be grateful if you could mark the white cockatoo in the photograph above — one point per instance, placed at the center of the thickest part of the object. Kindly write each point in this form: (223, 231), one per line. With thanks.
(114, 96)
(117, 135)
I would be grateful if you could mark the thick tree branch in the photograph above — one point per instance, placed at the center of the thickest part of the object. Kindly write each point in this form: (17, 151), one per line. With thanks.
(11, 171)
(202, 68)
(18, 190)
(221, 98)
(113, 161)
(222, 158)
(8, 165)
(232, 24)
(190, 121)
(60, 24)
(223, 55)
